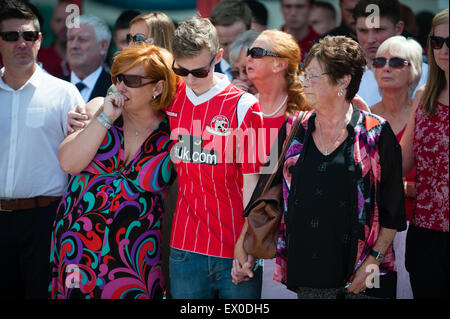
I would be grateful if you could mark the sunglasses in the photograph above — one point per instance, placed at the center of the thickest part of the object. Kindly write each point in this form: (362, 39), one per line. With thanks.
(13, 36)
(258, 53)
(133, 81)
(395, 63)
(438, 42)
(198, 73)
(138, 38)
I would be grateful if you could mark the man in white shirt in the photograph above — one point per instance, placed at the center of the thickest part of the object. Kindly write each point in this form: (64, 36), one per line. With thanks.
(87, 45)
(371, 32)
(33, 118)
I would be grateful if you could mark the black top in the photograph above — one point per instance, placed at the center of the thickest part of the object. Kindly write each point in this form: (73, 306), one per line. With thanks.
(320, 245)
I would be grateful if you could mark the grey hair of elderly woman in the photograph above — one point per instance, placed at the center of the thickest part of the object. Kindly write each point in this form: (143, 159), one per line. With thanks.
(244, 40)
(407, 49)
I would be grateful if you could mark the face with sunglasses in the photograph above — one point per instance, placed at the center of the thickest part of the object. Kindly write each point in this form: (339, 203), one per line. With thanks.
(20, 42)
(197, 71)
(139, 33)
(439, 43)
(136, 86)
(260, 59)
(392, 72)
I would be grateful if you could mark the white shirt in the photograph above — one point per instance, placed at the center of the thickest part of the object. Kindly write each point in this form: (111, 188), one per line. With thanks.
(89, 81)
(368, 89)
(226, 69)
(32, 126)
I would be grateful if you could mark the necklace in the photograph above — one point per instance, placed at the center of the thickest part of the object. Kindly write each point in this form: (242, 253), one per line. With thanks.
(335, 140)
(277, 110)
(136, 132)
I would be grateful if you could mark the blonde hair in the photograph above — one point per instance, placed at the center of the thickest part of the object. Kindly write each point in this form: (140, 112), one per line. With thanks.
(436, 77)
(286, 46)
(192, 36)
(160, 27)
(409, 50)
(157, 64)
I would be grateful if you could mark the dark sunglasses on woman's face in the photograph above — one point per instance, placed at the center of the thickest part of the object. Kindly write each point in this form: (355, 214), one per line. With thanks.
(258, 53)
(138, 38)
(133, 81)
(395, 63)
(13, 36)
(438, 42)
(198, 73)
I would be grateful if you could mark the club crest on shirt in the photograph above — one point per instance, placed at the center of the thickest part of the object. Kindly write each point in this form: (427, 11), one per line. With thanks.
(220, 125)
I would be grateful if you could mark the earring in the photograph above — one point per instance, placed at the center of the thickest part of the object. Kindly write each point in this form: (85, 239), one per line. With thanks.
(340, 92)
(154, 97)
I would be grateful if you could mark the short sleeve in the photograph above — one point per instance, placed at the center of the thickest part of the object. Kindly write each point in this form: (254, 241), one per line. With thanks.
(250, 126)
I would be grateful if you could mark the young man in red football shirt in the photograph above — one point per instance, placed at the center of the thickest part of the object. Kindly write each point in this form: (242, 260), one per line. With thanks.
(215, 125)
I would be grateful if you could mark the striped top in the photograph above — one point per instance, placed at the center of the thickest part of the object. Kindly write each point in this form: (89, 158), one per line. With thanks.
(210, 162)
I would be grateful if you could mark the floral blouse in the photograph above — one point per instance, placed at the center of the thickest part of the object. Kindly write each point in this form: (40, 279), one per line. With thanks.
(431, 147)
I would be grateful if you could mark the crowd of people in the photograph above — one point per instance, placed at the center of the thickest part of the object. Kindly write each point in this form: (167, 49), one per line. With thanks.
(126, 175)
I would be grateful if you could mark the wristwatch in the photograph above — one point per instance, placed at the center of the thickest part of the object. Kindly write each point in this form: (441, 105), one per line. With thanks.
(378, 256)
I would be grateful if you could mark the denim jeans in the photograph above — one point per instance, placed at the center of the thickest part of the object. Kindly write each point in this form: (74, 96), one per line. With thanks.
(196, 276)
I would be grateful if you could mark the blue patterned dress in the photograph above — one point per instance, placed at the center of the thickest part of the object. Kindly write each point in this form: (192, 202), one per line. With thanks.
(106, 240)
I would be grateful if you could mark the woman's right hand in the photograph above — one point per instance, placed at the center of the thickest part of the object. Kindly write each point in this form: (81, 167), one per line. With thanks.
(113, 105)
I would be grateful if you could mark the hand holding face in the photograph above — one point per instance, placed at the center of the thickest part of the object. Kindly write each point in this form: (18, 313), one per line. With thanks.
(113, 105)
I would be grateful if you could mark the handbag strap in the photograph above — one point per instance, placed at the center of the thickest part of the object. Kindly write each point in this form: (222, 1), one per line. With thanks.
(288, 141)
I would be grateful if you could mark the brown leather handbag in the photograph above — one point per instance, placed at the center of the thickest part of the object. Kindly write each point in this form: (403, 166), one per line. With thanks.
(264, 213)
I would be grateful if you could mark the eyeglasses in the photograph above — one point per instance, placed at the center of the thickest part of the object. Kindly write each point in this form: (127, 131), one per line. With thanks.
(395, 63)
(133, 81)
(438, 42)
(138, 38)
(13, 36)
(198, 73)
(259, 53)
(308, 77)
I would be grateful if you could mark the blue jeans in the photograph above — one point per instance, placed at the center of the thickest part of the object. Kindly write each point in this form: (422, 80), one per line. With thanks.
(196, 276)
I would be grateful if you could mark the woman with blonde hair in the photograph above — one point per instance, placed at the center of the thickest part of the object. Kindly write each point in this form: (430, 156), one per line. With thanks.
(397, 68)
(425, 145)
(106, 240)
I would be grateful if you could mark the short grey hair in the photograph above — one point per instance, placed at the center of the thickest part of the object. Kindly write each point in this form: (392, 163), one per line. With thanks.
(243, 41)
(408, 49)
(101, 29)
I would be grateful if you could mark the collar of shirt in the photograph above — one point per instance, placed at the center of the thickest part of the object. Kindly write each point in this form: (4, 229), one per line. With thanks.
(34, 80)
(226, 68)
(89, 81)
(219, 87)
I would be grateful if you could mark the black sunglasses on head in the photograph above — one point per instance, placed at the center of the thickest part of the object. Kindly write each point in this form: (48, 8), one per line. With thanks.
(438, 42)
(13, 36)
(138, 38)
(198, 73)
(258, 53)
(133, 81)
(395, 63)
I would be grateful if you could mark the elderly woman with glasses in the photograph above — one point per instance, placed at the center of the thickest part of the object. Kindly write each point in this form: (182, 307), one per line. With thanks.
(397, 68)
(425, 146)
(106, 237)
(342, 185)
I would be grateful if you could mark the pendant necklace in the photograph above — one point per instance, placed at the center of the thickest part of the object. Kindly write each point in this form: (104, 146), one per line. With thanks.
(335, 140)
(277, 110)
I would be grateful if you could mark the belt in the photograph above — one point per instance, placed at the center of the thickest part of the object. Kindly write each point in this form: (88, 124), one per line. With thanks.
(10, 205)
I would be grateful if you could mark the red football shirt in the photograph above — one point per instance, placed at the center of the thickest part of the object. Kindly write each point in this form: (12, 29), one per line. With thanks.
(216, 145)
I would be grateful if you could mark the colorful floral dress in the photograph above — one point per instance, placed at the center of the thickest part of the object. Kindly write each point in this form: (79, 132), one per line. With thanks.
(106, 240)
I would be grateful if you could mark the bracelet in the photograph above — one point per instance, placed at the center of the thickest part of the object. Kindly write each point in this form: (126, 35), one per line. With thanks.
(105, 120)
